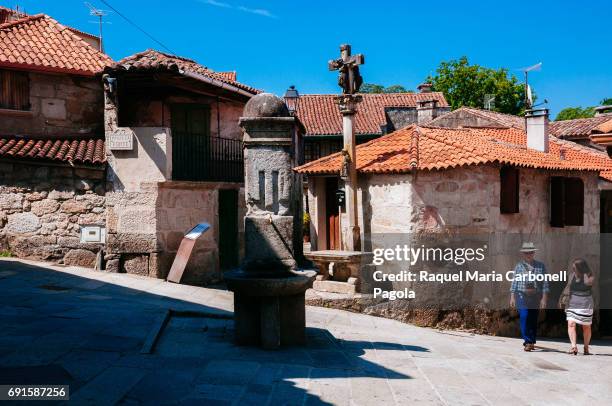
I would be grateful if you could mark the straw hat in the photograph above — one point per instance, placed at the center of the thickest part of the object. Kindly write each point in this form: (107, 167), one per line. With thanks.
(528, 247)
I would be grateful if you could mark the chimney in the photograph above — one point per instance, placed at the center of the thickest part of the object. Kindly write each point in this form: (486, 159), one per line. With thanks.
(424, 88)
(603, 111)
(537, 129)
(427, 110)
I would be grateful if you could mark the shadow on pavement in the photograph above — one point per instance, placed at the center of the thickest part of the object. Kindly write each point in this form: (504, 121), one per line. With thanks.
(59, 328)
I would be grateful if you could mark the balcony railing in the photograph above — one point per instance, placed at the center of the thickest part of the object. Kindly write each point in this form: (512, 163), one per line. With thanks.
(206, 159)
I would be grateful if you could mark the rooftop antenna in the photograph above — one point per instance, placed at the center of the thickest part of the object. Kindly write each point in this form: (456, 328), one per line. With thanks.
(528, 94)
(489, 101)
(93, 11)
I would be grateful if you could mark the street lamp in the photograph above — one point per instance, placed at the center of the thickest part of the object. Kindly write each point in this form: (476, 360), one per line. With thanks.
(292, 99)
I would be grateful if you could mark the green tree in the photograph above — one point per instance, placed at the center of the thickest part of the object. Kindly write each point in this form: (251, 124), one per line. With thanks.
(396, 89)
(467, 85)
(371, 88)
(571, 113)
(375, 88)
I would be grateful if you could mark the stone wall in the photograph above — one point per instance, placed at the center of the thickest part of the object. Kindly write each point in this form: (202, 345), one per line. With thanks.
(145, 228)
(43, 207)
(60, 105)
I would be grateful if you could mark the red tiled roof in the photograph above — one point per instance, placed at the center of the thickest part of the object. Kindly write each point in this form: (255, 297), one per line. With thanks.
(430, 148)
(38, 42)
(75, 151)
(504, 120)
(577, 128)
(320, 114)
(581, 127)
(152, 60)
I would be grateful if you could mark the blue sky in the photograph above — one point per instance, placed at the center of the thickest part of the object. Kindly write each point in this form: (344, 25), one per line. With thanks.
(274, 44)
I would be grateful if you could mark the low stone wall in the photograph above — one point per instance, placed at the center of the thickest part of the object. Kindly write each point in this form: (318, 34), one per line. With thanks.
(145, 228)
(42, 209)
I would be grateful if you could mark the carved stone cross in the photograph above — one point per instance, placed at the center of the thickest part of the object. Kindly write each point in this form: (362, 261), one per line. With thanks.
(349, 78)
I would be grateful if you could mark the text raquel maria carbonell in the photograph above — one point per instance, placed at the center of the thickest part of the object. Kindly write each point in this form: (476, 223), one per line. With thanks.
(458, 256)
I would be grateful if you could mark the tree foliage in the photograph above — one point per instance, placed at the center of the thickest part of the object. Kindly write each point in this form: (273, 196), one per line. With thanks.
(467, 85)
(571, 113)
(375, 88)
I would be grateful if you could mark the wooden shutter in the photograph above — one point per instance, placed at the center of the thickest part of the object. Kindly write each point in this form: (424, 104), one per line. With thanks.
(14, 90)
(509, 190)
(574, 202)
(557, 201)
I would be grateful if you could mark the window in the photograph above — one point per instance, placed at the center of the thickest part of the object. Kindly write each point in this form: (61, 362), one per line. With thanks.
(14, 90)
(566, 201)
(509, 190)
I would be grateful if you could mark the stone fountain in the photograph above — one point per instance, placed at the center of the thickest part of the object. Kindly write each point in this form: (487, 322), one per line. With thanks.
(269, 290)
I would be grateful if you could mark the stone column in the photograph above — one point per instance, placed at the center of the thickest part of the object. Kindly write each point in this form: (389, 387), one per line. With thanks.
(269, 307)
(348, 105)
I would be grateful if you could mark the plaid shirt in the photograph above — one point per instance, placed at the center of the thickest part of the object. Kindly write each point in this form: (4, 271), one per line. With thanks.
(522, 268)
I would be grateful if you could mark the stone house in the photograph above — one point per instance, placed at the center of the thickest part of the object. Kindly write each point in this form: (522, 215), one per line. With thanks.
(501, 183)
(174, 150)
(52, 160)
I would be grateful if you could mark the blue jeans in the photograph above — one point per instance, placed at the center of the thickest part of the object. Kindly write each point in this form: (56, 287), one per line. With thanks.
(529, 309)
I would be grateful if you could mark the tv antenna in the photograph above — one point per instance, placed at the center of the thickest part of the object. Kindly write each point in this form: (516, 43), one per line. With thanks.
(489, 101)
(96, 12)
(528, 94)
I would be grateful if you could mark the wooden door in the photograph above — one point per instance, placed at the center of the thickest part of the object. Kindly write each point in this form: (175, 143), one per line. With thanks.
(332, 214)
(228, 228)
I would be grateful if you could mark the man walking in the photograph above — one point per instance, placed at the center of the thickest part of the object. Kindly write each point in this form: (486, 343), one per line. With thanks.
(527, 294)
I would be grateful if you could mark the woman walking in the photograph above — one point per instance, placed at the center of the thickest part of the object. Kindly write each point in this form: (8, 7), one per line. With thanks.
(577, 299)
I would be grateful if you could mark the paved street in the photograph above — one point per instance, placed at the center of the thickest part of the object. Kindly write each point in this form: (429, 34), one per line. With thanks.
(87, 329)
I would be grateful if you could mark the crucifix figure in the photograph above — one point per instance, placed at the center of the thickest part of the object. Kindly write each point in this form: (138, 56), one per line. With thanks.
(349, 78)
(350, 81)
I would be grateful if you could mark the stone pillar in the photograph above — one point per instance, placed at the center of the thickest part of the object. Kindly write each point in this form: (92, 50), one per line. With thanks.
(348, 105)
(269, 305)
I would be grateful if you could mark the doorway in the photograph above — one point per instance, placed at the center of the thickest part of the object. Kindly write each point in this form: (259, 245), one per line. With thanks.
(605, 277)
(332, 214)
(190, 142)
(228, 228)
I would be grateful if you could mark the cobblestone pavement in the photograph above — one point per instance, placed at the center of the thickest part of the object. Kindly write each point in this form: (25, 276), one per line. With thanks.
(87, 329)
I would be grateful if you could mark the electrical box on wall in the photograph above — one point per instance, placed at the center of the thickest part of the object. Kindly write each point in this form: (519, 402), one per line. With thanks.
(93, 234)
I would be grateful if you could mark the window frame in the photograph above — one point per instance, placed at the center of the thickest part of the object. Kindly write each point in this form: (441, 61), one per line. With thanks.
(566, 194)
(509, 190)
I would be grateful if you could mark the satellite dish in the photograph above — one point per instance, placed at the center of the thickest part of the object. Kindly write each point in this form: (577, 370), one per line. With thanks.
(529, 95)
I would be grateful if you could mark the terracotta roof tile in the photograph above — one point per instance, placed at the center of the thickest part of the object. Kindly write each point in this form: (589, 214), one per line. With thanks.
(320, 114)
(581, 127)
(69, 150)
(152, 60)
(431, 148)
(38, 42)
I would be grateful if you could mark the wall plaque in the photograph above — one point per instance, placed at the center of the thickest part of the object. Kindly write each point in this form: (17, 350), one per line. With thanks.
(121, 139)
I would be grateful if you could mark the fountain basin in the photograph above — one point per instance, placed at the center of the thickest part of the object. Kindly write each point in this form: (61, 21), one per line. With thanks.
(256, 283)
(269, 306)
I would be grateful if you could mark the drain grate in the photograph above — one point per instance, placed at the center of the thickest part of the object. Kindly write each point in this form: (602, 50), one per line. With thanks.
(53, 287)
